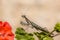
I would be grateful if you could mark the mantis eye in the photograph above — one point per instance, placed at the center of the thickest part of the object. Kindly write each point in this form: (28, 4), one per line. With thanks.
(23, 16)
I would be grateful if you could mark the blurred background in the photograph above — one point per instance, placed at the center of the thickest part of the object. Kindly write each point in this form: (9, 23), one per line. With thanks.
(43, 12)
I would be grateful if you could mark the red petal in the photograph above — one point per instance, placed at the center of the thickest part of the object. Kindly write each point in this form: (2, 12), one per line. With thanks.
(7, 26)
(6, 31)
(1, 24)
(1, 38)
(9, 36)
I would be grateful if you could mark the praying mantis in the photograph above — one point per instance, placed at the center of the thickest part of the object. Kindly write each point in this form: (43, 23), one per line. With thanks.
(34, 25)
(44, 32)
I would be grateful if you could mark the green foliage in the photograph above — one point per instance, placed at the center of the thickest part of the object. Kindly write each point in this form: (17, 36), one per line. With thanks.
(57, 27)
(43, 36)
(47, 38)
(20, 31)
(22, 35)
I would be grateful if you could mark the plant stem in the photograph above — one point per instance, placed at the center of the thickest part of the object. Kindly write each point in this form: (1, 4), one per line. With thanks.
(55, 35)
(52, 32)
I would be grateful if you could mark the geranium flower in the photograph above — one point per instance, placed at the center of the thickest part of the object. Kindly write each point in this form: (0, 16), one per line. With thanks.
(6, 31)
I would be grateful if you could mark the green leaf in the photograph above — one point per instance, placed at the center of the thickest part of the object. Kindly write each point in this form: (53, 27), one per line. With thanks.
(22, 35)
(40, 35)
(20, 31)
(47, 38)
(57, 27)
(43, 36)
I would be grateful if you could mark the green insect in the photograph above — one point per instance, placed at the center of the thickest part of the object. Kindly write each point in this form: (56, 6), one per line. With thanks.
(37, 27)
